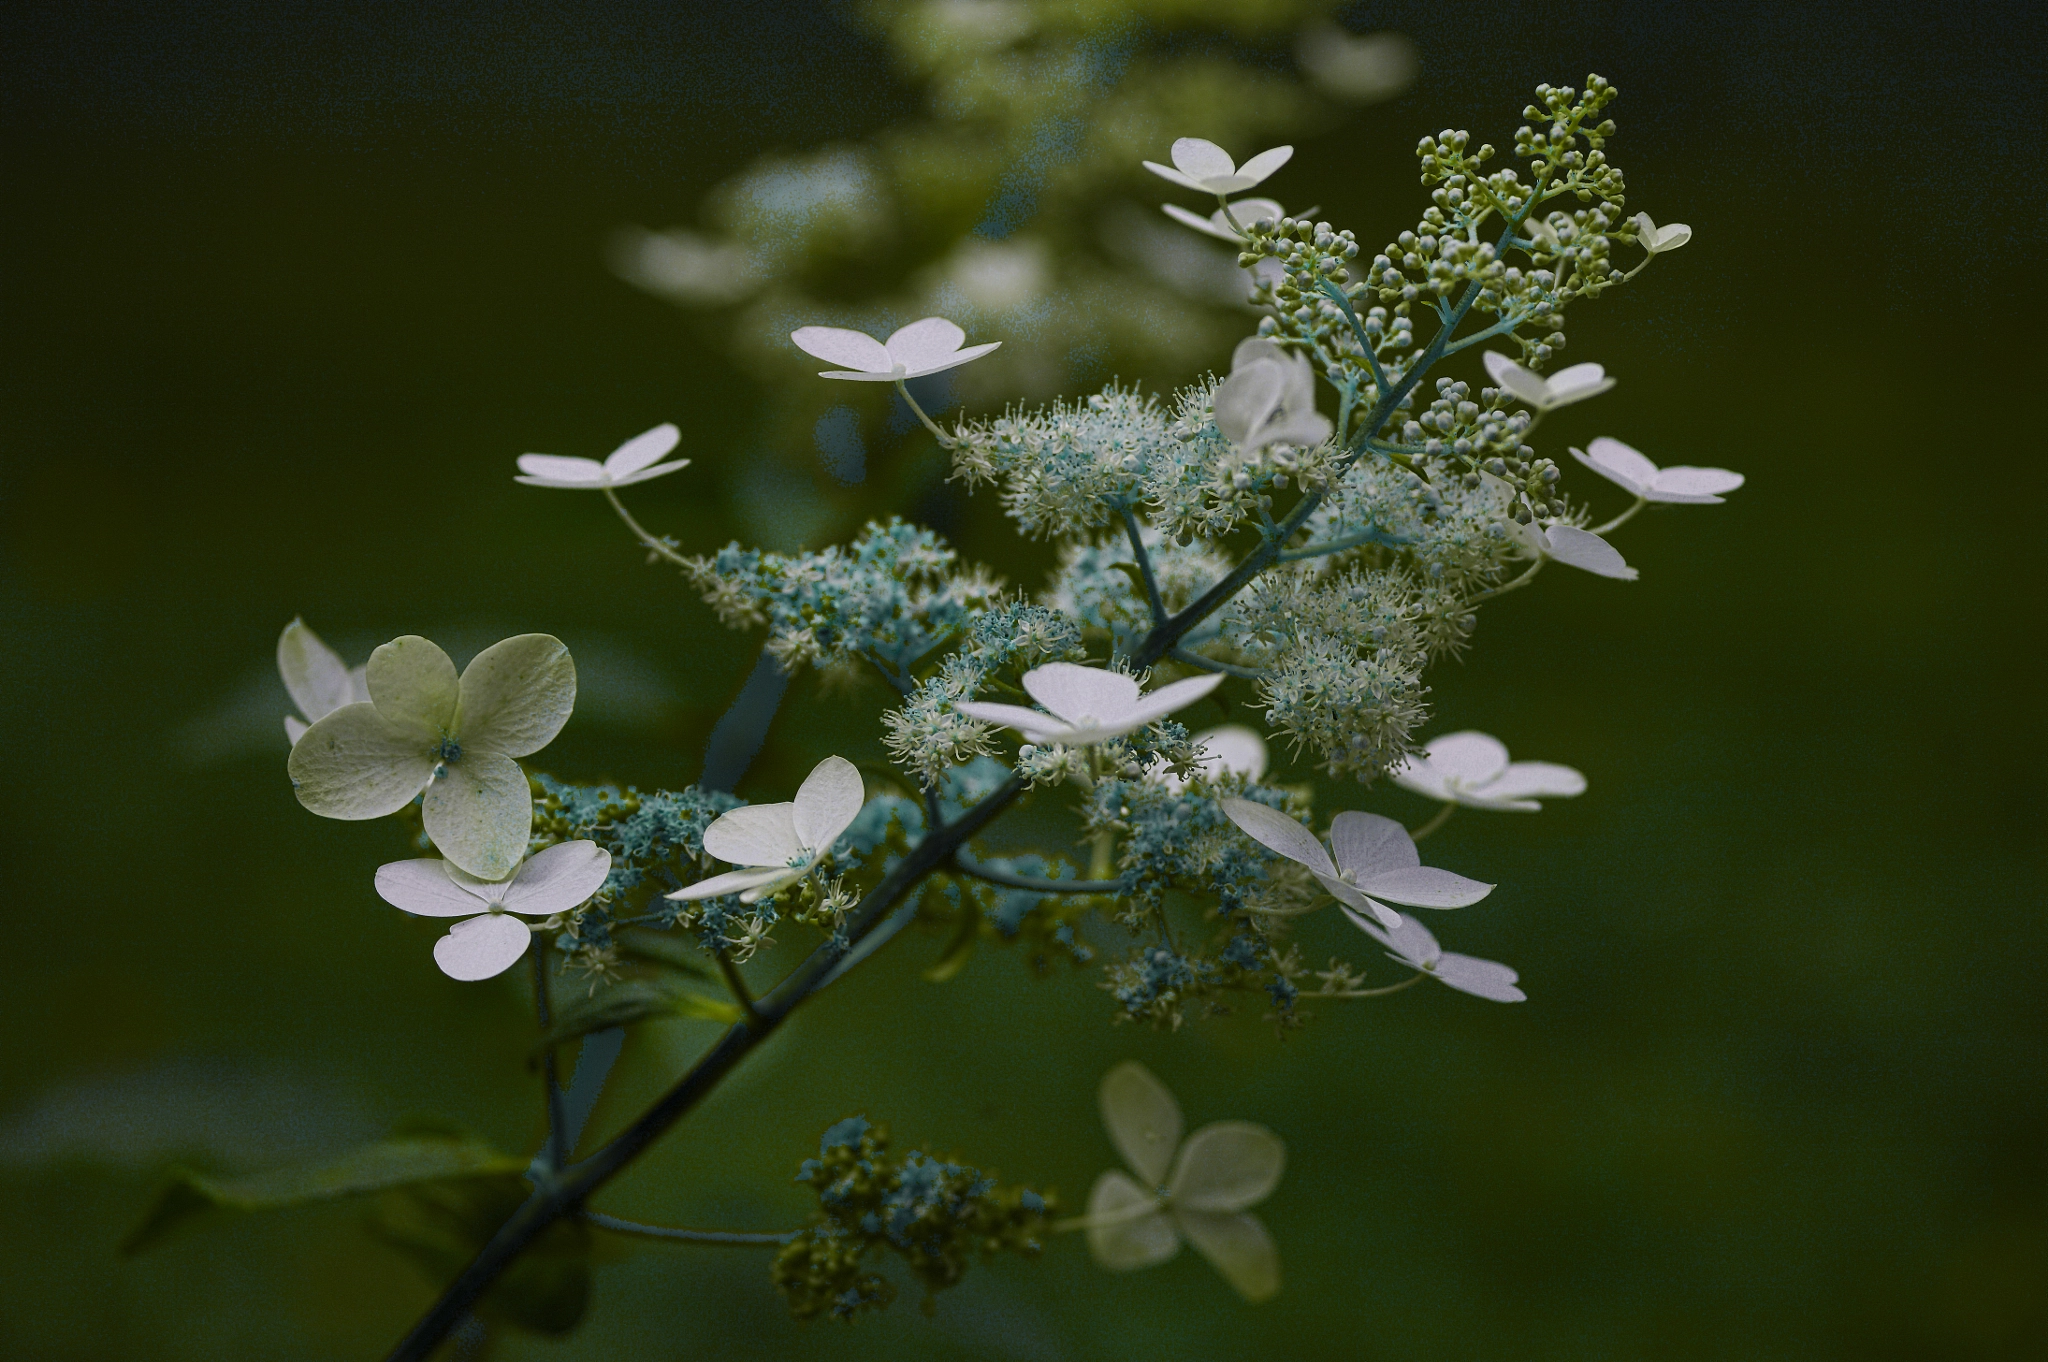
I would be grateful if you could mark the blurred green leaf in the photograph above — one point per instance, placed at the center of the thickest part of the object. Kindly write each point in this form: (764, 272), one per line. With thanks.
(371, 1168)
(442, 1225)
(958, 949)
(663, 949)
(633, 1000)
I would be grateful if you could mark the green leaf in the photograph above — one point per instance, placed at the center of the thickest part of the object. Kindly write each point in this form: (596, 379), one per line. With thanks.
(634, 1000)
(954, 958)
(371, 1168)
(1137, 576)
(442, 1225)
(662, 949)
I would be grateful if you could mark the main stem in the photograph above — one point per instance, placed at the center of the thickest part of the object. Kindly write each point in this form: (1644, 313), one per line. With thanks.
(564, 1193)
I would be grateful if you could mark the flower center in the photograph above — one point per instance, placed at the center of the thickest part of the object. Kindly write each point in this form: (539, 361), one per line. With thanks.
(447, 751)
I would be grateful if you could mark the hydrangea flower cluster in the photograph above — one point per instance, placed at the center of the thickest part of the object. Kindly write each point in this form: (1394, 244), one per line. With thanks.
(1297, 542)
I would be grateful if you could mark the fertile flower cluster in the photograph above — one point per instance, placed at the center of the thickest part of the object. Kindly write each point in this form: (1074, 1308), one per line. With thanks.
(1301, 539)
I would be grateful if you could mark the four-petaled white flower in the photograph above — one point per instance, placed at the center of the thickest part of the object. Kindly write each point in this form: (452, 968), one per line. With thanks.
(1269, 398)
(423, 728)
(1207, 168)
(1203, 1195)
(1087, 704)
(1473, 769)
(1574, 383)
(1375, 859)
(489, 941)
(779, 844)
(316, 678)
(1217, 224)
(1656, 240)
(1574, 547)
(1412, 944)
(1232, 749)
(1680, 484)
(633, 461)
(923, 347)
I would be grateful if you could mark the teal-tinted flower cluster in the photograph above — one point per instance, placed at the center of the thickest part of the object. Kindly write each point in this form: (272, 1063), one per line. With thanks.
(937, 1216)
(929, 735)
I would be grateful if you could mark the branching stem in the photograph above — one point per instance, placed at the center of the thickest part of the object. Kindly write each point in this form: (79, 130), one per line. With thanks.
(1144, 559)
(673, 1235)
(647, 540)
(1037, 884)
(945, 441)
(1441, 817)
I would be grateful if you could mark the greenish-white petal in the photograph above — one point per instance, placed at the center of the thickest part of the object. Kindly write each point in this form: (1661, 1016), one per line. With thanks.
(355, 763)
(413, 685)
(827, 803)
(1238, 1246)
(1126, 1235)
(516, 695)
(479, 812)
(1227, 1166)
(314, 674)
(1142, 1118)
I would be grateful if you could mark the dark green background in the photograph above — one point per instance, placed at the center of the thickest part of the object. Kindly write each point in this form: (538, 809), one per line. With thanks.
(286, 288)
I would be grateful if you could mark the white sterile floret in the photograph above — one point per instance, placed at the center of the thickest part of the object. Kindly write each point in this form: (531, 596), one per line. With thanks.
(1656, 240)
(316, 678)
(1574, 547)
(423, 728)
(1412, 944)
(489, 942)
(1473, 769)
(779, 844)
(1269, 398)
(1680, 484)
(633, 461)
(1207, 168)
(1574, 383)
(1200, 1189)
(1217, 224)
(1375, 859)
(1232, 749)
(923, 347)
(1087, 704)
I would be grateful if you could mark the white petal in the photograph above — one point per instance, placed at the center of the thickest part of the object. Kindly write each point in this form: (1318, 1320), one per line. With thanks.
(482, 947)
(1671, 238)
(1577, 382)
(1536, 779)
(557, 879)
(1275, 831)
(414, 686)
(479, 813)
(560, 470)
(1520, 382)
(862, 375)
(355, 763)
(1122, 1245)
(1071, 691)
(1227, 1166)
(1032, 723)
(1367, 844)
(1249, 211)
(422, 887)
(1169, 698)
(1420, 775)
(646, 473)
(1481, 978)
(733, 882)
(1617, 463)
(1142, 1119)
(1408, 939)
(1169, 173)
(1306, 429)
(1583, 549)
(314, 674)
(837, 345)
(1421, 886)
(1703, 486)
(758, 835)
(643, 449)
(294, 729)
(1355, 904)
(516, 695)
(827, 803)
(1215, 225)
(930, 340)
(1646, 226)
(1247, 399)
(1468, 756)
(1237, 1246)
(1232, 748)
(953, 361)
(1262, 166)
(1200, 160)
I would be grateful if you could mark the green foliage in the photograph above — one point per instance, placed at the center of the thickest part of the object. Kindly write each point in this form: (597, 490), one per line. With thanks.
(396, 1162)
(937, 1216)
(629, 1001)
(441, 1225)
